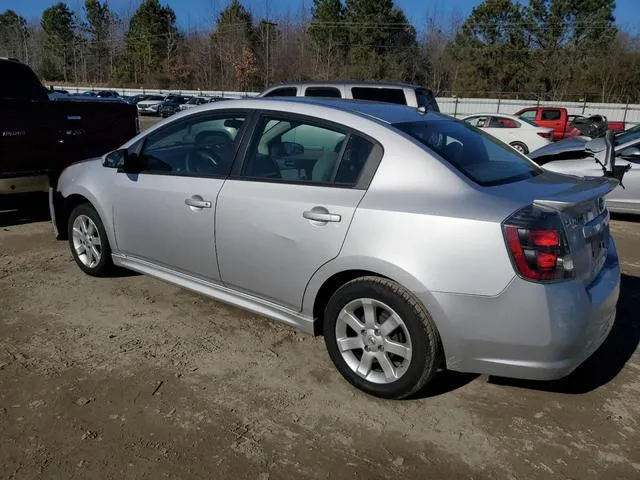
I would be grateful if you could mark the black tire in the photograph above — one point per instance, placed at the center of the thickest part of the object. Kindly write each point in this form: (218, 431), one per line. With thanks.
(426, 355)
(521, 147)
(105, 265)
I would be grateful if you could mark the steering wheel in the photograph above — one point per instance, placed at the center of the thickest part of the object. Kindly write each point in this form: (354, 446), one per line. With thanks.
(202, 160)
(208, 152)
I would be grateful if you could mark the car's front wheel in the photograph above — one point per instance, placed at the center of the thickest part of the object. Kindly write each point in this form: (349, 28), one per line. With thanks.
(88, 241)
(381, 338)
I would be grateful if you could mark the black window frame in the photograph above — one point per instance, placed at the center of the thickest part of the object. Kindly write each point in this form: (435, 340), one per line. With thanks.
(325, 88)
(138, 147)
(252, 135)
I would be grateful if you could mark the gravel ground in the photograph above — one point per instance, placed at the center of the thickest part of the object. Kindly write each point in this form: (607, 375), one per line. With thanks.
(129, 377)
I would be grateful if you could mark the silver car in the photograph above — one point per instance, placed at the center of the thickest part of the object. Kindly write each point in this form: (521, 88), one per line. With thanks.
(412, 241)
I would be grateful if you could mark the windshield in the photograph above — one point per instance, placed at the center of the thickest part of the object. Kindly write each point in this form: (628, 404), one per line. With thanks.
(479, 156)
(526, 120)
(627, 136)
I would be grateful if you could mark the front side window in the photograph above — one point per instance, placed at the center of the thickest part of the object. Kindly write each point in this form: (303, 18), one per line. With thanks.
(295, 151)
(200, 146)
(479, 156)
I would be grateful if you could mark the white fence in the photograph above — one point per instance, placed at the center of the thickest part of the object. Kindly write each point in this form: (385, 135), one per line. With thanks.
(458, 107)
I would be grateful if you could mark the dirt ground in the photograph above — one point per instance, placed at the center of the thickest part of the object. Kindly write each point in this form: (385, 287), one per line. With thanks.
(130, 377)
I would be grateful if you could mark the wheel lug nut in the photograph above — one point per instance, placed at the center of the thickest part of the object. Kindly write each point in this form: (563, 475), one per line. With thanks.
(366, 348)
(377, 332)
(381, 348)
(363, 331)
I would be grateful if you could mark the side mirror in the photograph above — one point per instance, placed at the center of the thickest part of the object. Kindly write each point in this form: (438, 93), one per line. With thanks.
(124, 161)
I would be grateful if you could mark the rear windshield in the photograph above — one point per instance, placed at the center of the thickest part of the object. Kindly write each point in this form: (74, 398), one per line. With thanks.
(479, 156)
(18, 82)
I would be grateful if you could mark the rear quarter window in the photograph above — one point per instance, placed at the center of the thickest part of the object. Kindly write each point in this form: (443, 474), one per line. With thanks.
(283, 92)
(477, 155)
(388, 95)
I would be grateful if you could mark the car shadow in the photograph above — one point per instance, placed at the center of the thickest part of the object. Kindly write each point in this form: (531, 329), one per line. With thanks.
(444, 381)
(625, 217)
(21, 216)
(605, 364)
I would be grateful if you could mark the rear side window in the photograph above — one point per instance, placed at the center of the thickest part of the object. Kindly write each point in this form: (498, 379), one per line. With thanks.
(388, 95)
(283, 92)
(323, 92)
(551, 115)
(479, 156)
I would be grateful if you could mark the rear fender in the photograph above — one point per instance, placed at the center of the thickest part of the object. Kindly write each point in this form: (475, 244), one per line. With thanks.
(383, 269)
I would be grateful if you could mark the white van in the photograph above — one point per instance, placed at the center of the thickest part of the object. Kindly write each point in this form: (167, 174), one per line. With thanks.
(404, 94)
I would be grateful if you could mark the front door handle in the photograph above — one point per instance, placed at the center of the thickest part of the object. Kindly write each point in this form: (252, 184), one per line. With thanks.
(197, 202)
(321, 214)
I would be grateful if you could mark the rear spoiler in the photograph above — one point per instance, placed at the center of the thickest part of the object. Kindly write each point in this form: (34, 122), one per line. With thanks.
(590, 189)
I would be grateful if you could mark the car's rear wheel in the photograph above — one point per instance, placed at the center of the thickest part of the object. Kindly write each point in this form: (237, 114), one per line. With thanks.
(519, 146)
(88, 241)
(381, 338)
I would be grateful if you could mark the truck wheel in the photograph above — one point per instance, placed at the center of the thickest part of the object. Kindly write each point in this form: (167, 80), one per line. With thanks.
(521, 147)
(381, 338)
(88, 241)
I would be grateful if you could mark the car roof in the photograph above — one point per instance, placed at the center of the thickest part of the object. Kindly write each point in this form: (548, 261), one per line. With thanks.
(505, 115)
(381, 111)
(355, 83)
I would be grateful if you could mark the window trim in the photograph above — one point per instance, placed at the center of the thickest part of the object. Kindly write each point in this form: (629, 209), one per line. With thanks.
(251, 136)
(139, 146)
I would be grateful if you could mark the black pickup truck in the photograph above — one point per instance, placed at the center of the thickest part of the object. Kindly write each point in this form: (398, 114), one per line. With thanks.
(40, 136)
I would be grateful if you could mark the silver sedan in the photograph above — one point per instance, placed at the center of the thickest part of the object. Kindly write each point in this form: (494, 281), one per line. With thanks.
(412, 241)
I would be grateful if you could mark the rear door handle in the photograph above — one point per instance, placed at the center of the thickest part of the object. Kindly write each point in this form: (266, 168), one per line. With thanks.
(197, 202)
(321, 214)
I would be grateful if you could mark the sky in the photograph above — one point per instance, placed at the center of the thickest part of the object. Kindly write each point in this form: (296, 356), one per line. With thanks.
(201, 13)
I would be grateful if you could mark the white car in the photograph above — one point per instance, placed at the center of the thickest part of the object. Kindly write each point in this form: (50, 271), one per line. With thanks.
(521, 134)
(150, 105)
(197, 101)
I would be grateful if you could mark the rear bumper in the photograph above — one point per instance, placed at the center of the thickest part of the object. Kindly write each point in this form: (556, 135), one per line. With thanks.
(531, 331)
(26, 184)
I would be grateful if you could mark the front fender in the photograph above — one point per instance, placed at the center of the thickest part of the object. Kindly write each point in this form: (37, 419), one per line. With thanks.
(86, 181)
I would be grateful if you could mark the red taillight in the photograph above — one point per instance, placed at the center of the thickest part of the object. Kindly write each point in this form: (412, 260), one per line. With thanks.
(538, 254)
(545, 238)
